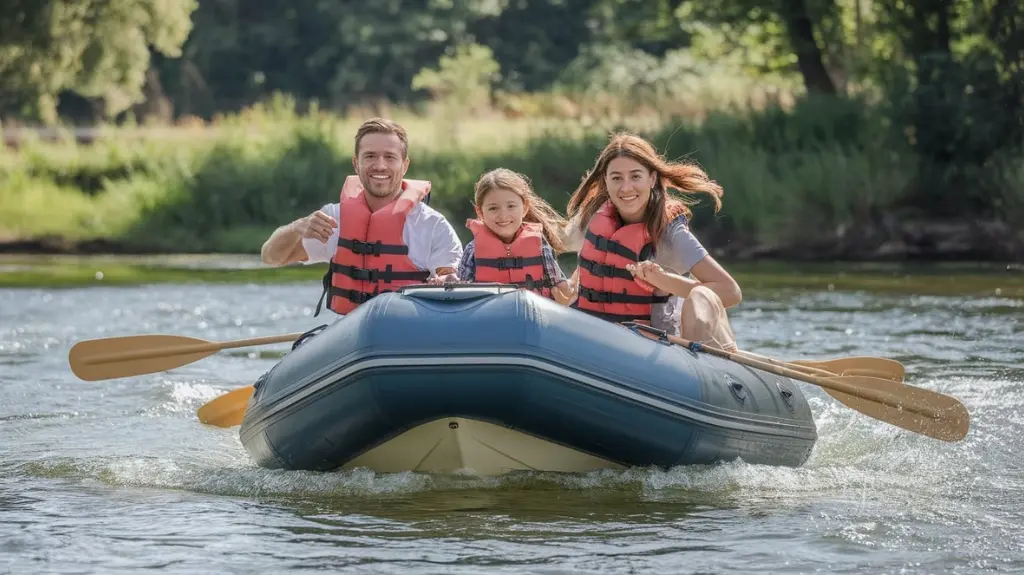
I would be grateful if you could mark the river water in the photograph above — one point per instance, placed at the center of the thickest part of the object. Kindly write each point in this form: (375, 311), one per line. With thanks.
(119, 475)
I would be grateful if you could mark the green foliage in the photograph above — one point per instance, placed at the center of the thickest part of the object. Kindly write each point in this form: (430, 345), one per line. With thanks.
(96, 48)
(959, 101)
(823, 164)
(930, 113)
(460, 85)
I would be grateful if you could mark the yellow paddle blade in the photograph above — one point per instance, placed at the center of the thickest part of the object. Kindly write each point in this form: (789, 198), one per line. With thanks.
(944, 417)
(873, 366)
(113, 357)
(912, 408)
(227, 410)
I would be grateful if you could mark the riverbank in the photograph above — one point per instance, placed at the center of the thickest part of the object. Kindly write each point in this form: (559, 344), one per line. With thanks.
(893, 237)
(824, 181)
(968, 279)
(905, 237)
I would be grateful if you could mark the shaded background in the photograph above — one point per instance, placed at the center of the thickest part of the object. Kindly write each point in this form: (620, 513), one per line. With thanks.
(839, 128)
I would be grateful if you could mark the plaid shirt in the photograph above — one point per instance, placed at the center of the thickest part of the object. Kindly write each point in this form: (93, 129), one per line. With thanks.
(467, 266)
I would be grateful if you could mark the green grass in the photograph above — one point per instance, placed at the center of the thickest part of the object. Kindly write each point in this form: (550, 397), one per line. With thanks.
(71, 272)
(789, 176)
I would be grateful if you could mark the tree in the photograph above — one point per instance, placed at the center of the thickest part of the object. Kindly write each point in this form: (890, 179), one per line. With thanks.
(460, 85)
(99, 49)
(783, 29)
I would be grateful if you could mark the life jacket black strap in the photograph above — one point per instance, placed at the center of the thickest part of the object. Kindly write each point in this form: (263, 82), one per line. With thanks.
(510, 263)
(327, 288)
(532, 284)
(606, 245)
(610, 297)
(604, 270)
(355, 296)
(378, 276)
(330, 291)
(372, 248)
(375, 276)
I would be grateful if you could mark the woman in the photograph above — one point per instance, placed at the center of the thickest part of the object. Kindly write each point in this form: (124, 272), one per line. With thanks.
(623, 275)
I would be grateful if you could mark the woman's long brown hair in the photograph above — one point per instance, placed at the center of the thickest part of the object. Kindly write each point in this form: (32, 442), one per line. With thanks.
(662, 208)
(538, 210)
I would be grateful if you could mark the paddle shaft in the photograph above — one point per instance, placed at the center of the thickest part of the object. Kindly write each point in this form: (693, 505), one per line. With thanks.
(833, 383)
(802, 368)
(210, 346)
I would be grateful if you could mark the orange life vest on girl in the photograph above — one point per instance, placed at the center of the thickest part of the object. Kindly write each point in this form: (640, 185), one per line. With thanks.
(520, 263)
(371, 257)
(607, 289)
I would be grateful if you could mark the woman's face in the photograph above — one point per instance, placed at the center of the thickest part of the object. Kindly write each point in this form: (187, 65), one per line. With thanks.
(629, 186)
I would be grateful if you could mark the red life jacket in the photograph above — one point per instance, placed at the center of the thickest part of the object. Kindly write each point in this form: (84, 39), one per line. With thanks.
(606, 288)
(371, 257)
(520, 263)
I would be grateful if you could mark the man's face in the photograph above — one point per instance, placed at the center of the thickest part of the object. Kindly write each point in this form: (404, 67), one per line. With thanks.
(380, 165)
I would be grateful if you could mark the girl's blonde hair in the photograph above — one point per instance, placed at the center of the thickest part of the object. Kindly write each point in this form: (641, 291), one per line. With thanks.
(663, 207)
(537, 210)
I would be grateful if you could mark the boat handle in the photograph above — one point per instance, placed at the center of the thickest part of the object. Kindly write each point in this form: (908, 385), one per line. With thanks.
(636, 327)
(452, 286)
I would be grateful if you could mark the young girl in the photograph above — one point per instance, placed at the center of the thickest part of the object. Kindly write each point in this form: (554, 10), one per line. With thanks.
(635, 245)
(515, 237)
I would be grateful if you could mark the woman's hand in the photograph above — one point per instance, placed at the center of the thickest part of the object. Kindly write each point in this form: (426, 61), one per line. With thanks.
(647, 274)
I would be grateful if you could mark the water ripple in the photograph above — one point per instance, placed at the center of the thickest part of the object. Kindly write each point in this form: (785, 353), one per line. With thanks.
(119, 476)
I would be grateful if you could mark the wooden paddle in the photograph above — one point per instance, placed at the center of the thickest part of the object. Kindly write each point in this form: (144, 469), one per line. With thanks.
(114, 357)
(226, 410)
(861, 365)
(912, 408)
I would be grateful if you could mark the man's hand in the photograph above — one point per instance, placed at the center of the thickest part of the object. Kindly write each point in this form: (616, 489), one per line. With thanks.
(444, 276)
(284, 246)
(317, 225)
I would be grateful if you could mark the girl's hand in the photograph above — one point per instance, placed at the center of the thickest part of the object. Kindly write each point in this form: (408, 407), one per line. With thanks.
(564, 292)
(646, 274)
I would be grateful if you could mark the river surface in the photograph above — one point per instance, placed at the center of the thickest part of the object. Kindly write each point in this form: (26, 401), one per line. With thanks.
(118, 475)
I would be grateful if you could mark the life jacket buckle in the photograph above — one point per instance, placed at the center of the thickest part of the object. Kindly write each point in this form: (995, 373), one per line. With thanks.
(510, 263)
(594, 295)
(366, 248)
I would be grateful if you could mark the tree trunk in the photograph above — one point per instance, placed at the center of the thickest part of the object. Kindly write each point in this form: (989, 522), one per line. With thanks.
(809, 58)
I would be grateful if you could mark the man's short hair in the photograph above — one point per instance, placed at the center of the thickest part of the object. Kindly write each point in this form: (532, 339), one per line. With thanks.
(382, 126)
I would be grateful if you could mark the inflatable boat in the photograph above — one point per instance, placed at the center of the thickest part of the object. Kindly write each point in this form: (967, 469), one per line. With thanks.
(488, 379)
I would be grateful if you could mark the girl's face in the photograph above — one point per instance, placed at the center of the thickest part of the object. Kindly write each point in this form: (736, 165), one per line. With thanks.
(502, 212)
(629, 186)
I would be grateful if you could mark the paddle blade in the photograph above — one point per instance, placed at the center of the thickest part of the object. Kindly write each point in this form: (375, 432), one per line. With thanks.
(227, 410)
(871, 366)
(114, 357)
(950, 421)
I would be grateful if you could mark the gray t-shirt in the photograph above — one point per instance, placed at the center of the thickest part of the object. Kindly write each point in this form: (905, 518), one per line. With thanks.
(677, 250)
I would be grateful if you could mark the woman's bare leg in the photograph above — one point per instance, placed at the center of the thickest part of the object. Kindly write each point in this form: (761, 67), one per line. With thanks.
(704, 320)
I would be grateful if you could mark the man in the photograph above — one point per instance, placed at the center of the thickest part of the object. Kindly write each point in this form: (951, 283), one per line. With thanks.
(380, 236)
